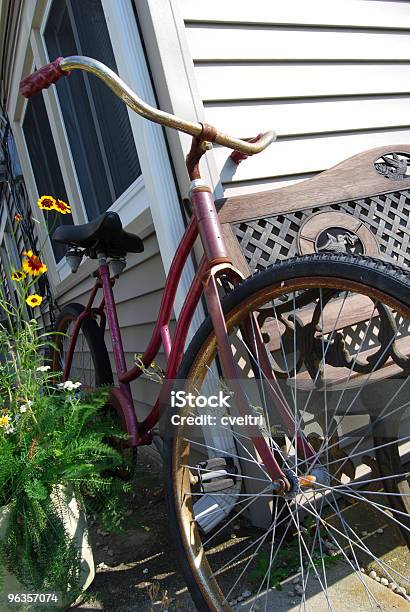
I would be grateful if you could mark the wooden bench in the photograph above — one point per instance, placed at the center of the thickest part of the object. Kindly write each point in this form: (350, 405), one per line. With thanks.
(361, 206)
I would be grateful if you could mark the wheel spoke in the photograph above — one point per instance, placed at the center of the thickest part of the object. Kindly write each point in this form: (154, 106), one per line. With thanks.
(302, 543)
(355, 569)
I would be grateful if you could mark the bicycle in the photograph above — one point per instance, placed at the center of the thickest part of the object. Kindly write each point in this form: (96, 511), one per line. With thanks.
(286, 479)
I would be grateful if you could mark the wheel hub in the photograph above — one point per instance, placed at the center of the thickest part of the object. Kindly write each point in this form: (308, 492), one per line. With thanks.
(319, 475)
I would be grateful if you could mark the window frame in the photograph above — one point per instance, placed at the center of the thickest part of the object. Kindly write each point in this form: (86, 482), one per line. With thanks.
(155, 203)
(131, 204)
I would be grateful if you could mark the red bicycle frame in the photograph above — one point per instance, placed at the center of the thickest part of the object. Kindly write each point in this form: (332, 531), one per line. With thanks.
(215, 262)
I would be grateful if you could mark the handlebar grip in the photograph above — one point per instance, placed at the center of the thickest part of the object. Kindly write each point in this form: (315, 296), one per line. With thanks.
(42, 78)
(238, 156)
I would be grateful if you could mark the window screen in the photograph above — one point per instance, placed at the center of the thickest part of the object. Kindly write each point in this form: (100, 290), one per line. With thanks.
(97, 123)
(44, 161)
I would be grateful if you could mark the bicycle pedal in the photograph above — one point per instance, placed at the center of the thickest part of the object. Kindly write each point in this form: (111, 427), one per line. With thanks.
(217, 485)
(212, 476)
(215, 474)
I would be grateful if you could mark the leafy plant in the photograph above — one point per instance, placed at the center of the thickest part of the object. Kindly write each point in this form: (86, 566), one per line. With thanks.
(53, 446)
(57, 442)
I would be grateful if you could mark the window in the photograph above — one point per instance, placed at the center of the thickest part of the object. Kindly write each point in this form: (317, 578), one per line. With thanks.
(96, 122)
(44, 162)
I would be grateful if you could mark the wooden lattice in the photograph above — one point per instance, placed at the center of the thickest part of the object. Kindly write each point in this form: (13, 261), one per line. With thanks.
(352, 199)
(267, 240)
(270, 226)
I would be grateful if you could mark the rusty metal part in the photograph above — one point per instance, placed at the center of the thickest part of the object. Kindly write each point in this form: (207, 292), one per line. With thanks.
(237, 156)
(198, 149)
(209, 227)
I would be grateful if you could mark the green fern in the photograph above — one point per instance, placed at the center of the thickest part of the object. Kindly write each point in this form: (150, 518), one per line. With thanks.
(50, 440)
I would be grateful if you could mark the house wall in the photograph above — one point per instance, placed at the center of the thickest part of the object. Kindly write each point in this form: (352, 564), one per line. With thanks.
(150, 207)
(331, 78)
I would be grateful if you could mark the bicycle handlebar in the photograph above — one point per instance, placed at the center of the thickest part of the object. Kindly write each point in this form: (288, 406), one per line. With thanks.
(44, 77)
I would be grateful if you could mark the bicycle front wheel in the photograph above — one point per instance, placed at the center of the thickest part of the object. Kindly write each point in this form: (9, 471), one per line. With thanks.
(336, 330)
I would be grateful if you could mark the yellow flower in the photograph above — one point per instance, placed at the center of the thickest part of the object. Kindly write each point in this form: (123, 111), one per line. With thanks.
(34, 300)
(33, 265)
(18, 217)
(4, 421)
(46, 202)
(62, 207)
(18, 276)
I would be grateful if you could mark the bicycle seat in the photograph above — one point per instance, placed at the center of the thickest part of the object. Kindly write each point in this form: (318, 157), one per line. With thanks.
(104, 234)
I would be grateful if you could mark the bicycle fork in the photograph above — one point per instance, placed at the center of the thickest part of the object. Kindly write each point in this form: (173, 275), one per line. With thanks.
(219, 262)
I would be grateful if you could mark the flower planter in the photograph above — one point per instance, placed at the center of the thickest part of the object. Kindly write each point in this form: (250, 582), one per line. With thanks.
(9, 583)
(75, 523)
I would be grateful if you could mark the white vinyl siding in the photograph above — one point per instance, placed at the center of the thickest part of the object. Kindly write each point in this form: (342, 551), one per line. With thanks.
(331, 78)
(350, 13)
